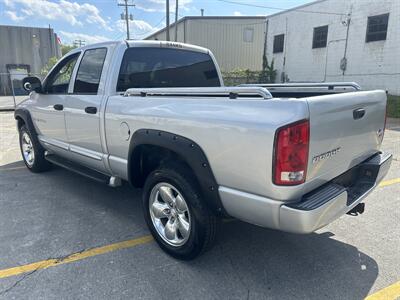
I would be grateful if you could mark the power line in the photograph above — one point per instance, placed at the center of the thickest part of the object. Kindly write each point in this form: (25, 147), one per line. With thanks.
(283, 9)
(155, 26)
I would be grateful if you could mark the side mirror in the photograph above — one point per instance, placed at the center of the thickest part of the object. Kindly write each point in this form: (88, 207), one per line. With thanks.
(32, 83)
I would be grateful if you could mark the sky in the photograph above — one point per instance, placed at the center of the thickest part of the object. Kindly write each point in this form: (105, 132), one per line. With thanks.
(100, 20)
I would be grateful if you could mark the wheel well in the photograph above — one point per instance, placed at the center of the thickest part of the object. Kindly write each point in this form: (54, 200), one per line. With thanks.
(147, 158)
(20, 122)
(150, 149)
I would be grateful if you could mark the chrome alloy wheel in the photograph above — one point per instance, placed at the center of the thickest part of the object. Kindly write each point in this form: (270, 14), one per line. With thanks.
(27, 149)
(170, 214)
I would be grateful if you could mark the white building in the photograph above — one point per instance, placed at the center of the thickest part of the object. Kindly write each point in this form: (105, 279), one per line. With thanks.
(325, 40)
(237, 42)
(338, 40)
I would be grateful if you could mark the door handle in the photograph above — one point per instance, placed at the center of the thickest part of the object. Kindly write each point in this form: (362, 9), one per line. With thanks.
(91, 110)
(358, 113)
(58, 106)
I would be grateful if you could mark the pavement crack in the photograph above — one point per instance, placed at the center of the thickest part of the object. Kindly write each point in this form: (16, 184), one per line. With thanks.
(16, 283)
(57, 260)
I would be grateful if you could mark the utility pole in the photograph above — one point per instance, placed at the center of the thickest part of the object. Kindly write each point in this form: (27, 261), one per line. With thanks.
(343, 62)
(167, 17)
(126, 16)
(176, 20)
(79, 43)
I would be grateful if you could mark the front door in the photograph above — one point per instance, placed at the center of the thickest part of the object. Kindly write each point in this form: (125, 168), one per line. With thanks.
(48, 111)
(82, 109)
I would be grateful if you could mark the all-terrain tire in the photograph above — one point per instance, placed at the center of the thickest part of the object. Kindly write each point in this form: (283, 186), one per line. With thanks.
(32, 152)
(203, 223)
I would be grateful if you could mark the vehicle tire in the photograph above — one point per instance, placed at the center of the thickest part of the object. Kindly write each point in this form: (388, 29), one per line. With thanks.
(32, 152)
(176, 214)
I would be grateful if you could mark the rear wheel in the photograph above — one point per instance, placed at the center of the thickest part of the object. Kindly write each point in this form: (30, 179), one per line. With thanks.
(32, 152)
(175, 213)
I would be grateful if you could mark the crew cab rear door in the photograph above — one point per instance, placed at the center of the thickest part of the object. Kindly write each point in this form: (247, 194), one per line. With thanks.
(82, 109)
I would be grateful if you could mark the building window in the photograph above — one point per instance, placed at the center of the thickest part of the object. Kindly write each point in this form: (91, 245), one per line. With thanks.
(248, 34)
(278, 43)
(320, 37)
(377, 28)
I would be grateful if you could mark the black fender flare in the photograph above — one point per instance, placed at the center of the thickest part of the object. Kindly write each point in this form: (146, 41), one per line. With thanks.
(189, 151)
(24, 114)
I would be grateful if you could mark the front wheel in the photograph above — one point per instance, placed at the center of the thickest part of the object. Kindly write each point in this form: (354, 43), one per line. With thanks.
(32, 152)
(174, 211)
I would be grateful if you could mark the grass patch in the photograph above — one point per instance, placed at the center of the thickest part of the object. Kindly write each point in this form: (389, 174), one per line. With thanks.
(393, 106)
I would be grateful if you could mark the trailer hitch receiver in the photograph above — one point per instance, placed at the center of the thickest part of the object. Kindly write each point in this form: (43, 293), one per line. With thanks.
(357, 210)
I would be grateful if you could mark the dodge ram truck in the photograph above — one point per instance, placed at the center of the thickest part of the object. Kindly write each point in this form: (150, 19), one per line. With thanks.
(292, 157)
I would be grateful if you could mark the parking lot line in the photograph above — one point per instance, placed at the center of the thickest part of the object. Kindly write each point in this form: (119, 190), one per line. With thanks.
(44, 264)
(389, 182)
(391, 292)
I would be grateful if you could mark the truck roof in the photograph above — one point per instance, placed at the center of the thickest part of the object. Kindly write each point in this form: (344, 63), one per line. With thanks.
(153, 44)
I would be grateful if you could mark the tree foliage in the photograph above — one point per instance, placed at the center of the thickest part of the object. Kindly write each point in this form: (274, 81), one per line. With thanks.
(66, 48)
(268, 73)
(53, 60)
(47, 67)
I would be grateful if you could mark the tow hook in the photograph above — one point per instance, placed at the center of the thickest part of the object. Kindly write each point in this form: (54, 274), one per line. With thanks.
(357, 210)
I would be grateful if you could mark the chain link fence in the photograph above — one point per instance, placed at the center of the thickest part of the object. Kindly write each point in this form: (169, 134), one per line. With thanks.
(11, 89)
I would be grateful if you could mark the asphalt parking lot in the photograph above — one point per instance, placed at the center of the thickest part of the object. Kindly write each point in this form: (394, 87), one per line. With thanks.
(65, 236)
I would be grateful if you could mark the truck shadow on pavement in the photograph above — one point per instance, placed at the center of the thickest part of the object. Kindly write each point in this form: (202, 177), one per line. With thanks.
(61, 213)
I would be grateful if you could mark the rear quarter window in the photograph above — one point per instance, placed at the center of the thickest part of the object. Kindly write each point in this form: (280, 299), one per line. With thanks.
(145, 67)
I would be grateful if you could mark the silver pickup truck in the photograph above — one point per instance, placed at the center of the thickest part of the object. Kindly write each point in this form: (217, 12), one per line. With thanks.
(292, 157)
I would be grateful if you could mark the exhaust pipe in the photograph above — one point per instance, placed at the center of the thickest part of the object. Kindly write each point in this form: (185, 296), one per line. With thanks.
(357, 210)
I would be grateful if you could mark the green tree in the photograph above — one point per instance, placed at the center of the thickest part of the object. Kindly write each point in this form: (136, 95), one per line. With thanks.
(271, 72)
(66, 48)
(53, 60)
(47, 67)
(268, 73)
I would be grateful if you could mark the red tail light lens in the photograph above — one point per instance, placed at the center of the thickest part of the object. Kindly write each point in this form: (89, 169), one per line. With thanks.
(291, 153)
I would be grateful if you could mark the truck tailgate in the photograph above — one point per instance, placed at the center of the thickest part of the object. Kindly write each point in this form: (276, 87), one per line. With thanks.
(345, 130)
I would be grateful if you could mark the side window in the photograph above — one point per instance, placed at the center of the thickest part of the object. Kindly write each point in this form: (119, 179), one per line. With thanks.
(377, 28)
(58, 80)
(145, 67)
(278, 43)
(89, 72)
(320, 37)
(248, 34)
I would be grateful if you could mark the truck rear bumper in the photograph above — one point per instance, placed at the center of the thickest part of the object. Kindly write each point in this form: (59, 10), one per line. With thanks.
(317, 208)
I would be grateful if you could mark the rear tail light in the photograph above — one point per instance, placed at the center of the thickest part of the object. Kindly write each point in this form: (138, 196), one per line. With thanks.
(291, 153)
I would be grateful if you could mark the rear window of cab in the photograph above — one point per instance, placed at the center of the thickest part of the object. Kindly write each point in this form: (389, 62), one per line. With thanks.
(150, 67)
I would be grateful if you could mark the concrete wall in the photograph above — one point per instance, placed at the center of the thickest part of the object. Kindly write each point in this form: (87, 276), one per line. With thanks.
(27, 45)
(24, 46)
(374, 65)
(224, 36)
